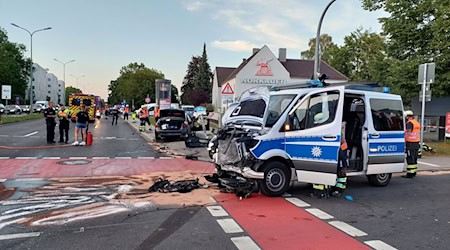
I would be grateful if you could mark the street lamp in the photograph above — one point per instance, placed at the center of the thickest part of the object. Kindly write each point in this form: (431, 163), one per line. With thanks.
(317, 55)
(64, 67)
(78, 77)
(31, 50)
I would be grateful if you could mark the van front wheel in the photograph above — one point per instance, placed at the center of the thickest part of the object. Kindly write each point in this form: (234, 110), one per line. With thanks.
(276, 180)
(379, 180)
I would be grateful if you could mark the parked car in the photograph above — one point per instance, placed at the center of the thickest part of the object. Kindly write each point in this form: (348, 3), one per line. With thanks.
(38, 108)
(25, 108)
(173, 123)
(13, 109)
(2, 108)
(189, 109)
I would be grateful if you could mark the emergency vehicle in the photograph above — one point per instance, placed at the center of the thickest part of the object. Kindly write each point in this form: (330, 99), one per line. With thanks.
(275, 136)
(75, 99)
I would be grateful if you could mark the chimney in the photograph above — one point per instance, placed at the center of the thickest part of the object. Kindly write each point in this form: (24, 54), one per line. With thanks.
(282, 54)
(255, 50)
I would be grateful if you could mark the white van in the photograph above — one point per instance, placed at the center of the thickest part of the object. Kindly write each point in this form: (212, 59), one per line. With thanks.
(44, 104)
(274, 137)
(150, 107)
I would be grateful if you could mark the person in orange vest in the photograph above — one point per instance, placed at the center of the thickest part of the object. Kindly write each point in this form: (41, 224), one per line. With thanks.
(142, 118)
(126, 110)
(412, 139)
(156, 113)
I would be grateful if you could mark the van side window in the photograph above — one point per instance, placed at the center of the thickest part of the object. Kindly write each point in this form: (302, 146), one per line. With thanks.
(387, 115)
(317, 110)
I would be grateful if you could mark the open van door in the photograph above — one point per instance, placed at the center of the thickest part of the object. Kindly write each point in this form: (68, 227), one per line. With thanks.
(386, 140)
(312, 140)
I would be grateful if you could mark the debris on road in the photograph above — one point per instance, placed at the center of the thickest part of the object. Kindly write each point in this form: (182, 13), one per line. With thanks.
(183, 186)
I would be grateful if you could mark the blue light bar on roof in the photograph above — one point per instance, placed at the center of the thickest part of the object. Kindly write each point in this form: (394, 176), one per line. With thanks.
(386, 90)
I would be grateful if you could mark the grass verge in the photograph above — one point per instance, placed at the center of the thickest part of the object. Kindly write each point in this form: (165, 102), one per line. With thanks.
(439, 148)
(12, 118)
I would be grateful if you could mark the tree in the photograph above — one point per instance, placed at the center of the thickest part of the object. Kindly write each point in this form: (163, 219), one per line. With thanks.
(14, 67)
(69, 90)
(135, 82)
(418, 32)
(189, 78)
(326, 44)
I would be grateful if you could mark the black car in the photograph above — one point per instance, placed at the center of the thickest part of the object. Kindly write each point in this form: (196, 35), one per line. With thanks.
(172, 123)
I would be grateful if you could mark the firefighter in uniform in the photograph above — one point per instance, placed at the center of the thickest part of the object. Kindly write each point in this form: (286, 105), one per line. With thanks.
(341, 181)
(50, 115)
(412, 139)
(63, 115)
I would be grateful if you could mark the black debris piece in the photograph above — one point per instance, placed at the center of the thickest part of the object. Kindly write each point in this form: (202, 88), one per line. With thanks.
(159, 185)
(184, 186)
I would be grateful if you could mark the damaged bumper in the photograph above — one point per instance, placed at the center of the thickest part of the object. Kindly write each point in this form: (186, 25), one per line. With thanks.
(245, 172)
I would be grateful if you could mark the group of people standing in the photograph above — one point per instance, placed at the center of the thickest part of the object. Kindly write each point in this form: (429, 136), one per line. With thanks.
(144, 117)
(63, 115)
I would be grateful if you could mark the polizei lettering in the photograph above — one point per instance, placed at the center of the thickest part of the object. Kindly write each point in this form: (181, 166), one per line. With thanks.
(387, 148)
(263, 81)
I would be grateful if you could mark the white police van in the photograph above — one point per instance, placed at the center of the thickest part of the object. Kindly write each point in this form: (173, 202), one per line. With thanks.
(279, 135)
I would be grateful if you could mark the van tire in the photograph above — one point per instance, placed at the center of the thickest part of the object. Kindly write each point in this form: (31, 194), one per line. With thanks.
(277, 178)
(379, 180)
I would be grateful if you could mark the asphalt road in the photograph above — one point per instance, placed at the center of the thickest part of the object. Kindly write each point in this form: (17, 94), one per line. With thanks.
(28, 139)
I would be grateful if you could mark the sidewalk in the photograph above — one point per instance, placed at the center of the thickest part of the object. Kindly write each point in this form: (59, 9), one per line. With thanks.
(433, 163)
(174, 148)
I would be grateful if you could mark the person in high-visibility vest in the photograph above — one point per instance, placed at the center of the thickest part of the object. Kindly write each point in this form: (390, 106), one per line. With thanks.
(341, 181)
(63, 116)
(126, 110)
(142, 118)
(412, 139)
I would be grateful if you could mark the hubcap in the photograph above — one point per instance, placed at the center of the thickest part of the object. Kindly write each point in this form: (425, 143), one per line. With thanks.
(275, 179)
(382, 177)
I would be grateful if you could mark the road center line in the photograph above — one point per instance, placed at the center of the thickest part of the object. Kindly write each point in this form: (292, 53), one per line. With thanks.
(30, 134)
(429, 164)
(18, 236)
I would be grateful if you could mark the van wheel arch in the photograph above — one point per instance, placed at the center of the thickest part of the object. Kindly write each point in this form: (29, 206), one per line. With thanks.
(379, 180)
(277, 177)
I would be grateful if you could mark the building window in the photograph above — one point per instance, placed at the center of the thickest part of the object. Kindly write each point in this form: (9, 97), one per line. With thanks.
(49, 79)
(32, 87)
(59, 85)
(32, 79)
(49, 86)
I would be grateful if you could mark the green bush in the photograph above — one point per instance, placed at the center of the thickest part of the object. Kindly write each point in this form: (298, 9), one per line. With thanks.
(12, 118)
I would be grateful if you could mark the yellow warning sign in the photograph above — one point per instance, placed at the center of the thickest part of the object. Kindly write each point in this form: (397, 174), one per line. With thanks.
(227, 90)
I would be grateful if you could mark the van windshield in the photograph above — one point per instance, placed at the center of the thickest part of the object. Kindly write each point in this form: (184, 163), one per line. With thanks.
(277, 105)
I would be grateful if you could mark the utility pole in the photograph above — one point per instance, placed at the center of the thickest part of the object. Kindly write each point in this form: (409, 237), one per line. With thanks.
(317, 54)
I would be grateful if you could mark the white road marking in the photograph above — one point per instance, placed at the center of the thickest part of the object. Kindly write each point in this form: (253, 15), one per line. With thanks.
(4, 135)
(244, 242)
(217, 211)
(379, 245)
(230, 226)
(166, 158)
(426, 163)
(297, 202)
(319, 213)
(30, 134)
(346, 228)
(4, 158)
(18, 236)
(146, 158)
(100, 158)
(3, 180)
(51, 158)
(122, 158)
(78, 158)
(25, 158)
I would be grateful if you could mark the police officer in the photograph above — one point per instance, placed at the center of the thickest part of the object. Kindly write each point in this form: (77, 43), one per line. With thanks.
(341, 181)
(115, 114)
(63, 116)
(50, 115)
(412, 139)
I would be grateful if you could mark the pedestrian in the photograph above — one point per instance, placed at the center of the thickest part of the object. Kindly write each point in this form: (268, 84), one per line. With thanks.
(142, 118)
(115, 115)
(156, 113)
(126, 110)
(341, 181)
(50, 115)
(412, 139)
(63, 115)
(82, 118)
(147, 117)
(133, 116)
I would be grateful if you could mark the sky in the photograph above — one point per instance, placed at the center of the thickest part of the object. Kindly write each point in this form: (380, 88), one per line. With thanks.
(102, 36)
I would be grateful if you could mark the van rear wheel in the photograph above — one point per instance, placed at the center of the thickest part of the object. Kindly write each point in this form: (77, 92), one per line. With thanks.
(379, 180)
(276, 180)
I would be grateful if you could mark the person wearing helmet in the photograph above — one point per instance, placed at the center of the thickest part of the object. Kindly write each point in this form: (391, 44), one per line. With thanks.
(126, 110)
(412, 139)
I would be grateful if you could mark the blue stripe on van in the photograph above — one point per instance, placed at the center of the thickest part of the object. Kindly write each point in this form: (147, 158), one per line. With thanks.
(387, 148)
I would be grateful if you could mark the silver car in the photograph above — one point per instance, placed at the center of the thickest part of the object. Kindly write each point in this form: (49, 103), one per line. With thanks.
(25, 108)
(2, 108)
(13, 109)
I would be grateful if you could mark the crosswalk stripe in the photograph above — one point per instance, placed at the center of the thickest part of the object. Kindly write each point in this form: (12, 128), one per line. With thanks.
(217, 211)
(319, 213)
(297, 202)
(244, 242)
(18, 236)
(379, 245)
(230, 226)
(346, 228)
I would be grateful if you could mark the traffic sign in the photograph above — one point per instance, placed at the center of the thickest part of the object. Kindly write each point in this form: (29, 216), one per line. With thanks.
(6, 92)
(426, 73)
(427, 94)
(147, 100)
(227, 90)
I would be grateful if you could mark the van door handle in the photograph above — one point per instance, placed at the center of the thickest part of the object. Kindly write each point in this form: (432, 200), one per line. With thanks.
(375, 136)
(329, 137)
